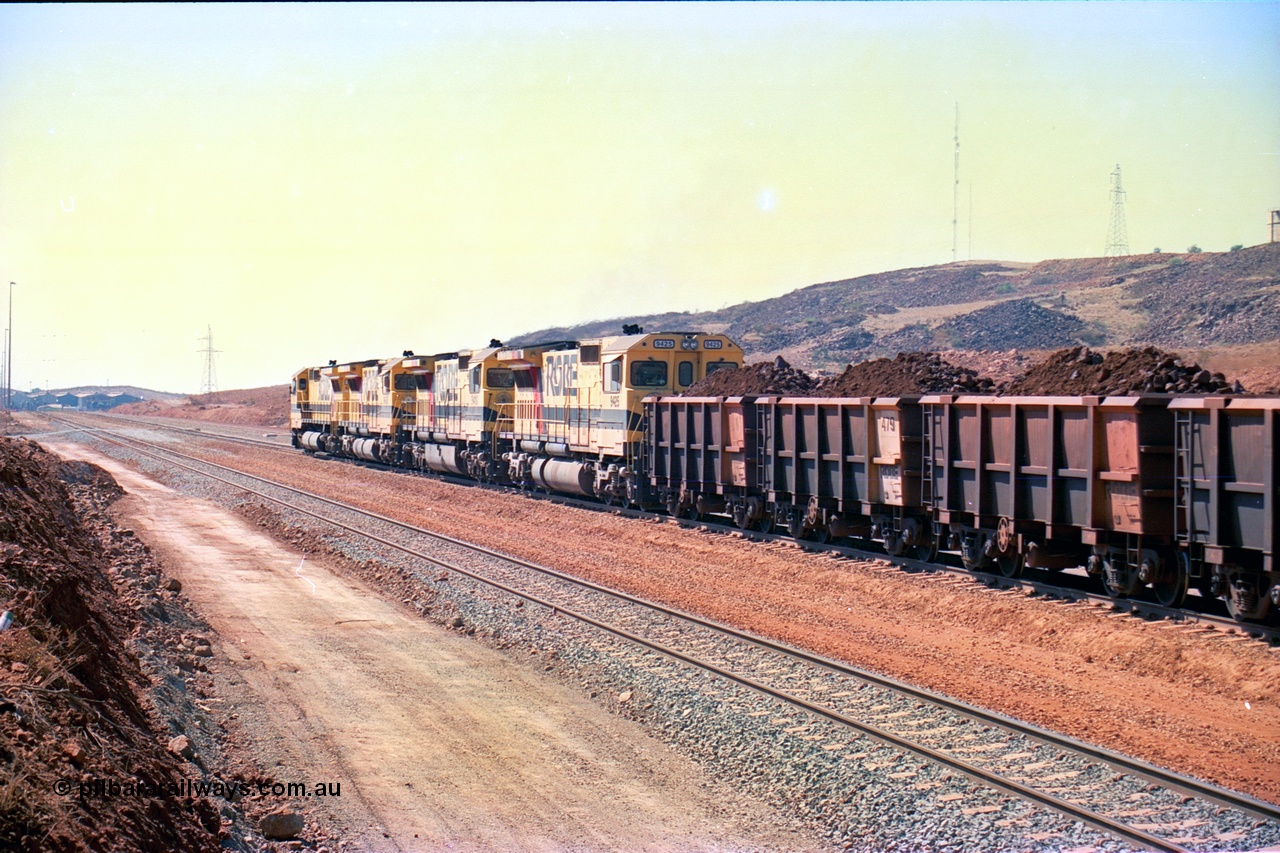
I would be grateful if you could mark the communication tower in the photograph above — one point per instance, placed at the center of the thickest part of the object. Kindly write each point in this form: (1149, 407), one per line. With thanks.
(1275, 226)
(955, 191)
(210, 383)
(1117, 233)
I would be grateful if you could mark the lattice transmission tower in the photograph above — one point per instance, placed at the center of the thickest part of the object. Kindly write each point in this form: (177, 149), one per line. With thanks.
(210, 383)
(955, 190)
(1117, 232)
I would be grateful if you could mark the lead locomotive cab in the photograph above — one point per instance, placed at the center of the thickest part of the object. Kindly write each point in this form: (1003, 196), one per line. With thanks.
(576, 422)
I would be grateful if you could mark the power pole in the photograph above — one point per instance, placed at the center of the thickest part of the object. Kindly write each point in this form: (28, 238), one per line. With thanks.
(210, 383)
(1117, 233)
(955, 191)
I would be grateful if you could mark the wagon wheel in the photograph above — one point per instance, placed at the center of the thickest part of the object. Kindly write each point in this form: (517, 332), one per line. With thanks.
(893, 544)
(1171, 585)
(765, 522)
(1253, 606)
(820, 534)
(1009, 561)
(673, 505)
(1010, 565)
(974, 552)
(1116, 587)
(927, 551)
(795, 523)
(918, 541)
(741, 515)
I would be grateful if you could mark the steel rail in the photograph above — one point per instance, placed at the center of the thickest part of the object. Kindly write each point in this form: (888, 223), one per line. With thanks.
(1154, 774)
(1139, 608)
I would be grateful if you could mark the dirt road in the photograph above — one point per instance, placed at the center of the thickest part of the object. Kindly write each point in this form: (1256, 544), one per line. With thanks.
(437, 742)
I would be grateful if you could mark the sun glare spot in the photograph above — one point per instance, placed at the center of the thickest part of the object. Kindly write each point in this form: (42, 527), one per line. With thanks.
(768, 200)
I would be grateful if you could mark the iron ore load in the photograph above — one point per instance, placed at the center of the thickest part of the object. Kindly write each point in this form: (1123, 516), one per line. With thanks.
(1152, 493)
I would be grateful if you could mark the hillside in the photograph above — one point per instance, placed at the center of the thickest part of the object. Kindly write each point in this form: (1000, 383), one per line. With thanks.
(267, 406)
(996, 318)
(1197, 302)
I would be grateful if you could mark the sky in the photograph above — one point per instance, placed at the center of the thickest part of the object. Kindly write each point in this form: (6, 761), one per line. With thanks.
(315, 181)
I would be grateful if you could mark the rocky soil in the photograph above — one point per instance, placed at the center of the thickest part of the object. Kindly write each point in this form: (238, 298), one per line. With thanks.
(766, 377)
(1018, 324)
(1079, 371)
(1069, 372)
(78, 704)
(905, 374)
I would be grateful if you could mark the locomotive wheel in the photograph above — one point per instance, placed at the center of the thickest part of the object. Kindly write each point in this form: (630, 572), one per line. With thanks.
(1171, 588)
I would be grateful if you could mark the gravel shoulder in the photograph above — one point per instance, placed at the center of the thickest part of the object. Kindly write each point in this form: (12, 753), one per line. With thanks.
(436, 740)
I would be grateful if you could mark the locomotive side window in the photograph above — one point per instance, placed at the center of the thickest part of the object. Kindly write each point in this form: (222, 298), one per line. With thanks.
(720, 365)
(500, 377)
(353, 384)
(684, 374)
(613, 377)
(648, 374)
(475, 379)
(411, 381)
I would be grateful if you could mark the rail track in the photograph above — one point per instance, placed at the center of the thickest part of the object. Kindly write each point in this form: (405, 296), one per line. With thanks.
(1141, 804)
(1064, 586)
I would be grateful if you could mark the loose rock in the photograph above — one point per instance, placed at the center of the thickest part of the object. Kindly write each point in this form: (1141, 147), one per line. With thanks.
(281, 824)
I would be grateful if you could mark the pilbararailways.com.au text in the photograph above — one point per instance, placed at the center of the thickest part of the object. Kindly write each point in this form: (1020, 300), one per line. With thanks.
(113, 788)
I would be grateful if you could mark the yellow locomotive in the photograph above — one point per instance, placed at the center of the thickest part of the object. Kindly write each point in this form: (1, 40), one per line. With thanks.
(575, 424)
(447, 425)
(563, 416)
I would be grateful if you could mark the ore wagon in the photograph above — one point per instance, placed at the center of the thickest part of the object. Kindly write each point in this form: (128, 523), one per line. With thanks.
(1055, 482)
(1227, 506)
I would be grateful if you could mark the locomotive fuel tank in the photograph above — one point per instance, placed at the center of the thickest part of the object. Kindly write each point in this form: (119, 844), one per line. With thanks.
(442, 458)
(560, 475)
